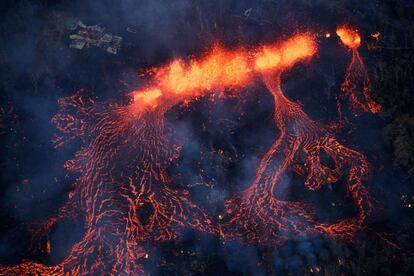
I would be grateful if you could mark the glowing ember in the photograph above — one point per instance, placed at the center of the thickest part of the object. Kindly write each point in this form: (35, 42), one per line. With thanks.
(376, 35)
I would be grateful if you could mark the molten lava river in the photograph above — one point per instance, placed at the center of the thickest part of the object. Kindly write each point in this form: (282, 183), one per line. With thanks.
(126, 203)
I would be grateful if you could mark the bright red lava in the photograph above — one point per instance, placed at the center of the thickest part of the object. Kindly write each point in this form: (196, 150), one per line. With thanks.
(111, 193)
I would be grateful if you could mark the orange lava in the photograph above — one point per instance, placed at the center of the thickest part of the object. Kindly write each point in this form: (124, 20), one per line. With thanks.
(356, 84)
(349, 36)
(222, 68)
(259, 215)
(147, 97)
(124, 194)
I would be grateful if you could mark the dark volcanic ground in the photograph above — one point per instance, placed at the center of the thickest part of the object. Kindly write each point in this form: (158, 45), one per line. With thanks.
(38, 67)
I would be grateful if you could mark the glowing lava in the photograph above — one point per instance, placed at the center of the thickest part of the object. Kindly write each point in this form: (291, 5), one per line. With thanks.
(349, 37)
(221, 69)
(147, 98)
(356, 84)
(124, 194)
(260, 216)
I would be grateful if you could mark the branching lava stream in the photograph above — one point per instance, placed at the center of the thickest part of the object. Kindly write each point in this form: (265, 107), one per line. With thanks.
(124, 194)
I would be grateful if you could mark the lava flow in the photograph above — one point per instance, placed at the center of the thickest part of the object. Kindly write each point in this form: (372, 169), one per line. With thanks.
(356, 84)
(257, 213)
(124, 194)
(260, 216)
